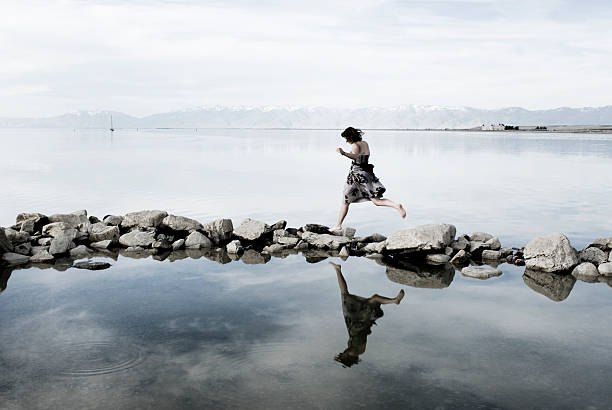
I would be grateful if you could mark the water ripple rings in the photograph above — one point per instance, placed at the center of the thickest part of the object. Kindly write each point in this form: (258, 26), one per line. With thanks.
(97, 358)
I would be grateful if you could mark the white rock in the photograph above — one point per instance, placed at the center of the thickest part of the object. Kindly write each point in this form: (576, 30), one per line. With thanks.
(586, 272)
(422, 238)
(100, 232)
(551, 253)
(460, 258)
(605, 269)
(101, 244)
(493, 244)
(344, 252)
(251, 230)
(219, 231)
(375, 247)
(197, 240)
(480, 272)
(274, 248)
(288, 241)
(234, 247)
(55, 228)
(137, 238)
(178, 244)
(324, 240)
(62, 242)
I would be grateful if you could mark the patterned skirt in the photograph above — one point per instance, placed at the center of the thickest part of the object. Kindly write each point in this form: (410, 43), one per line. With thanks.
(362, 185)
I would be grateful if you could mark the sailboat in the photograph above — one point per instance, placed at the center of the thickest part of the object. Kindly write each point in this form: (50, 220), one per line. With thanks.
(111, 127)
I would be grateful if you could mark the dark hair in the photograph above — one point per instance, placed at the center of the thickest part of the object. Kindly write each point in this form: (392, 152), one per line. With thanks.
(352, 134)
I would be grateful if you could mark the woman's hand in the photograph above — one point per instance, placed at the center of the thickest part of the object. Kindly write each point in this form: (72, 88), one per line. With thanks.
(340, 151)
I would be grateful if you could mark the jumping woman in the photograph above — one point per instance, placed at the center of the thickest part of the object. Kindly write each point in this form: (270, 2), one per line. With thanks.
(361, 183)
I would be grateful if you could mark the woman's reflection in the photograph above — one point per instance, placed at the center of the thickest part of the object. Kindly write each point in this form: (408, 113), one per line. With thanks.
(359, 315)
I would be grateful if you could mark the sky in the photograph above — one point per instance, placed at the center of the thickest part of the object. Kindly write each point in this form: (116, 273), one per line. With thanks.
(143, 57)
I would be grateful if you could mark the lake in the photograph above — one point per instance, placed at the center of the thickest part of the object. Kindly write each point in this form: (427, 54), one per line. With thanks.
(190, 332)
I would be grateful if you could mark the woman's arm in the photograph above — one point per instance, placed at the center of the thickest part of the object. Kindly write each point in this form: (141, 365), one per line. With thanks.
(354, 154)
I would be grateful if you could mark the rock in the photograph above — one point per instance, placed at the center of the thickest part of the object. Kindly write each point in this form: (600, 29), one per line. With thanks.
(288, 241)
(505, 252)
(23, 248)
(375, 247)
(323, 241)
(134, 249)
(42, 257)
(28, 226)
(39, 219)
(72, 220)
(348, 232)
(428, 276)
(344, 252)
(102, 244)
(274, 248)
(45, 241)
(493, 244)
(278, 233)
(39, 249)
(316, 228)
(14, 259)
(437, 258)
(449, 251)
(480, 237)
(197, 240)
(251, 230)
(252, 257)
(92, 265)
(551, 253)
(178, 244)
(519, 262)
(112, 220)
(282, 224)
(586, 272)
(480, 272)
(301, 246)
(491, 255)
(55, 228)
(161, 243)
(135, 238)
(99, 232)
(234, 247)
(375, 237)
(93, 219)
(422, 238)
(460, 244)
(460, 258)
(15, 237)
(62, 242)
(554, 286)
(143, 219)
(478, 247)
(219, 231)
(605, 269)
(180, 223)
(593, 255)
(5, 244)
(605, 244)
(80, 251)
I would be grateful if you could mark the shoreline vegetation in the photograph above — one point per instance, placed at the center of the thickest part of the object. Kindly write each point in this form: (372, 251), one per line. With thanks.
(425, 256)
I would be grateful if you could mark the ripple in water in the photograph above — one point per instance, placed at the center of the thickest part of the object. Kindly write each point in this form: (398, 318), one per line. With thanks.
(96, 358)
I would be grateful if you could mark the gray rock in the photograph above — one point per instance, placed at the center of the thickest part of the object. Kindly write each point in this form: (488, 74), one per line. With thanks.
(344, 252)
(480, 237)
(348, 232)
(180, 223)
(27, 216)
(45, 241)
(39, 249)
(491, 255)
(80, 251)
(480, 272)
(5, 244)
(460, 244)
(143, 219)
(251, 230)
(593, 255)
(135, 238)
(102, 244)
(112, 220)
(219, 231)
(604, 244)
(178, 244)
(282, 224)
(478, 247)
(92, 265)
(42, 257)
(72, 220)
(28, 226)
(422, 238)
(100, 232)
(316, 228)
(437, 258)
(274, 248)
(279, 233)
(493, 244)
(288, 241)
(252, 257)
(23, 248)
(605, 269)
(449, 251)
(55, 228)
(62, 242)
(554, 286)
(16, 237)
(14, 259)
(551, 253)
(460, 258)
(301, 246)
(586, 272)
(234, 247)
(375, 237)
(505, 252)
(161, 243)
(197, 240)
(134, 249)
(375, 247)
(324, 241)
(93, 219)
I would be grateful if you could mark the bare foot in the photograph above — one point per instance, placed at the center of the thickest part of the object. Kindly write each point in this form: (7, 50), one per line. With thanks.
(399, 296)
(402, 211)
(336, 228)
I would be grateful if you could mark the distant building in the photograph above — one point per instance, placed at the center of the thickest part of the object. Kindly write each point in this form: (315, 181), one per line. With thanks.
(493, 127)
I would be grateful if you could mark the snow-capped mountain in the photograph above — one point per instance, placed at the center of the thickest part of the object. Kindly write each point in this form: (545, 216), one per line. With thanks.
(409, 116)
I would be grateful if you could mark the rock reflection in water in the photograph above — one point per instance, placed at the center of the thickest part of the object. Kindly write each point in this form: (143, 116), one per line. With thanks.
(554, 286)
(359, 315)
(419, 275)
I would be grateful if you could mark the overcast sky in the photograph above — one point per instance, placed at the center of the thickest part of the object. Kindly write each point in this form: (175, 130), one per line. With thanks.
(142, 57)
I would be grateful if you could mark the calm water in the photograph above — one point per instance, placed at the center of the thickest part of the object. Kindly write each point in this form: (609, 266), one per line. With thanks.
(194, 333)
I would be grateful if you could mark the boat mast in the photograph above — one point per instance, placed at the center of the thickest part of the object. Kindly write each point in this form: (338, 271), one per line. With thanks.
(112, 128)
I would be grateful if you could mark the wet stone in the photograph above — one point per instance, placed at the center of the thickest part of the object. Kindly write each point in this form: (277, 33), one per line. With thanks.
(92, 265)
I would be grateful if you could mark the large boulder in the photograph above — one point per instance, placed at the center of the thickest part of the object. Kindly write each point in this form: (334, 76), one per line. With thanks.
(219, 231)
(16, 237)
(325, 241)
(14, 259)
(135, 238)
(553, 286)
(74, 219)
(197, 240)
(55, 228)
(100, 232)
(180, 223)
(551, 253)
(593, 255)
(251, 230)
(143, 219)
(586, 272)
(62, 242)
(422, 238)
(5, 244)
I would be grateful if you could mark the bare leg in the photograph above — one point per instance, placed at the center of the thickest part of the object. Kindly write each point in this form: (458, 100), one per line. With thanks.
(341, 281)
(343, 211)
(390, 203)
(375, 298)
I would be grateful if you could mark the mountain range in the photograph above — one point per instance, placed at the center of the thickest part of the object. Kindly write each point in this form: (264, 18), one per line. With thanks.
(410, 116)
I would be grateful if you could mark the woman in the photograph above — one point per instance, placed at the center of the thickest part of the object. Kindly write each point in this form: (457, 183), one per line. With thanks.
(361, 183)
